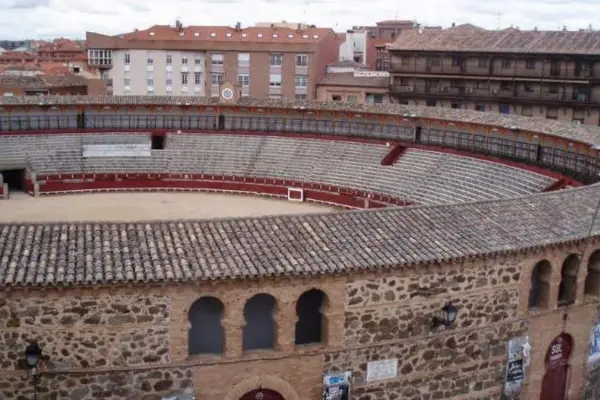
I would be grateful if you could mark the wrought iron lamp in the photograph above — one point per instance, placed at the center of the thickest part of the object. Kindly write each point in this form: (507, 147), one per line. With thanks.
(446, 317)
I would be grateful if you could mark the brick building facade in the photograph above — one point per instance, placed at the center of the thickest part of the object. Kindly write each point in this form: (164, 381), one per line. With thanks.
(219, 308)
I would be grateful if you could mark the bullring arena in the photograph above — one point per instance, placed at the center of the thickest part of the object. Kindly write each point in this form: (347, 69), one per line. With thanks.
(357, 230)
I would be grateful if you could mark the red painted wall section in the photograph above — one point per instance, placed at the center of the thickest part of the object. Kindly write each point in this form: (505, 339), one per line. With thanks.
(333, 195)
(396, 152)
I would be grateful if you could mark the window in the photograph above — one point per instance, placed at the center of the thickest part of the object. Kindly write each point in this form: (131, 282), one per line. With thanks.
(184, 60)
(506, 63)
(150, 60)
(169, 59)
(301, 81)
(457, 61)
(352, 99)
(406, 61)
(482, 63)
(568, 280)
(530, 64)
(301, 97)
(301, 60)
(276, 60)
(169, 82)
(456, 105)
(310, 322)
(433, 61)
(552, 113)
(150, 81)
(431, 103)
(243, 58)
(197, 78)
(206, 335)
(527, 111)
(216, 79)
(127, 82)
(127, 58)
(259, 330)
(479, 107)
(539, 293)
(506, 86)
(274, 80)
(184, 78)
(553, 88)
(336, 98)
(198, 61)
(528, 87)
(217, 59)
(244, 80)
(592, 280)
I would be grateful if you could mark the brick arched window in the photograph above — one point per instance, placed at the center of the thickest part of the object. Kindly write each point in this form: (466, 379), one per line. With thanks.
(539, 293)
(567, 290)
(311, 323)
(592, 280)
(206, 335)
(259, 331)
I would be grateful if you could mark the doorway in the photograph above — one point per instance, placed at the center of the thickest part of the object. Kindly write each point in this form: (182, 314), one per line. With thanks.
(262, 394)
(15, 179)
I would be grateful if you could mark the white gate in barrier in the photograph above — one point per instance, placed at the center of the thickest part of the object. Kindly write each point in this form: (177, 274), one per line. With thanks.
(295, 194)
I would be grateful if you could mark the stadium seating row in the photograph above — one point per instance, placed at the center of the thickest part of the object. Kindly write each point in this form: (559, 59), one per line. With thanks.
(419, 176)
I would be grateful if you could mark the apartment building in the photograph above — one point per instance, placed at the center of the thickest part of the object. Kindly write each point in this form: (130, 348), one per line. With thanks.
(549, 74)
(265, 61)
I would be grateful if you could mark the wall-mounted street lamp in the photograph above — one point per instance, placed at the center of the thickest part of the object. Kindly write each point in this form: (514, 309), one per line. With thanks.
(447, 316)
(33, 356)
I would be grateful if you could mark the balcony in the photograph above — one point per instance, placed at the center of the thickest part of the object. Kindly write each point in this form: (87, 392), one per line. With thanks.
(496, 94)
(548, 72)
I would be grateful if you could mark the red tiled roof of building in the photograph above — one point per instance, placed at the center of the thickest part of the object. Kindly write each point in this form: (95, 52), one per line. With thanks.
(348, 79)
(469, 37)
(229, 34)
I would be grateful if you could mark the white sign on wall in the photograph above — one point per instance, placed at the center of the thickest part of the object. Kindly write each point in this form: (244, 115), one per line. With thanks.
(384, 369)
(117, 150)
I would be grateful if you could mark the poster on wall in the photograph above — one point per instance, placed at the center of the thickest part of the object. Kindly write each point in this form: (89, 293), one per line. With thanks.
(383, 369)
(518, 361)
(594, 350)
(337, 386)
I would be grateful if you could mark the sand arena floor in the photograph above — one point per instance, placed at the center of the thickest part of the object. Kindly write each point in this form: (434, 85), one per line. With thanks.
(147, 206)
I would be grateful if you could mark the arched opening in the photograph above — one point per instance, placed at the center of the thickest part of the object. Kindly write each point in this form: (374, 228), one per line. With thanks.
(539, 293)
(311, 323)
(567, 290)
(206, 333)
(259, 331)
(592, 280)
(262, 394)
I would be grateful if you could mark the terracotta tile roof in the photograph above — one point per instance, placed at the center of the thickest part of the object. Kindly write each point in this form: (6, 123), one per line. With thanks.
(42, 81)
(472, 38)
(229, 34)
(99, 253)
(347, 64)
(577, 133)
(348, 79)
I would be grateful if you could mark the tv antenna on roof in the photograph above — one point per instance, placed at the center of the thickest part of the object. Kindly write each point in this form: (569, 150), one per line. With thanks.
(498, 20)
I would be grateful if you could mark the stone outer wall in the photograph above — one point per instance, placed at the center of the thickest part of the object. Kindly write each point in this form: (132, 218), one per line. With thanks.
(131, 342)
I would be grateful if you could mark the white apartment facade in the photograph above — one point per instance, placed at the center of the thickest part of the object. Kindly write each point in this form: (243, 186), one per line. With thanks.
(157, 72)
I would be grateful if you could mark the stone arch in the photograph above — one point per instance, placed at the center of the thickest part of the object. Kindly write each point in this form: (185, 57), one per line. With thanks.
(206, 334)
(592, 280)
(311, 317)
(265, 382)
(567, 290)
(260, 328)
(539, 291)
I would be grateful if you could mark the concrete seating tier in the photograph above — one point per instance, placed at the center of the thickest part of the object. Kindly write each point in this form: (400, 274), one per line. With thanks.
(17, 151)
(419, 176)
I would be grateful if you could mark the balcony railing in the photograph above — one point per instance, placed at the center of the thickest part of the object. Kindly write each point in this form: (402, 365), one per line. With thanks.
(548, 72)
(538, 94)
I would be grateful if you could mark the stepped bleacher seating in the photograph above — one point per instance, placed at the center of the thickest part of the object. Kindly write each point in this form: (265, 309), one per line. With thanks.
(419, 176)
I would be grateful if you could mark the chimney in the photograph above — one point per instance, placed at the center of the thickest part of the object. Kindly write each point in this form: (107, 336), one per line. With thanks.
(238, 26)
(453, 24)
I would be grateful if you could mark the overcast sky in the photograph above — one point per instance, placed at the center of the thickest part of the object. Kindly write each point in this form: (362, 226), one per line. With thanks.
(45, 19)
